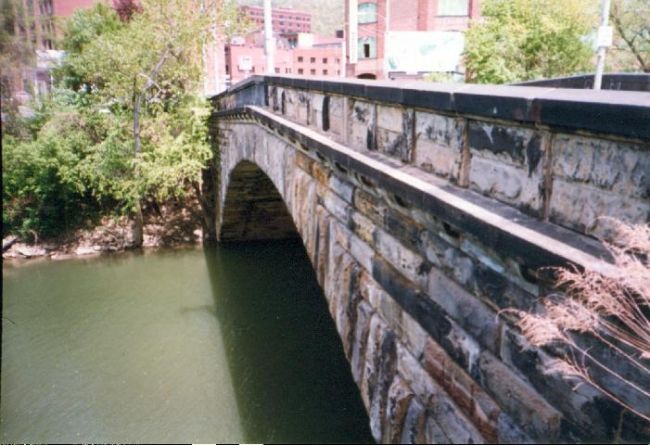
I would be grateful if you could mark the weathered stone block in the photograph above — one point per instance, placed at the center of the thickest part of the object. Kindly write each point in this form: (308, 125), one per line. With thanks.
(322, 245)
(361, 252)
(579, 206)
(622, 168)
(413, 335)
(399, 399)
(390, 118)
(413, 430)
(580, 403)
(337, 116)
(511, 433)
(361, 329)
(304, 162)
(432, 431)
(321, 173)
(363, 227)
(342, 188)
(369, 206)
(507, 164)
(519, 399)
(379, 371)
(507, 183)
(438, 144)
(439, 129)
(395, 132)
(346, 301)
(511, 145)
(362, 125)
(447, 415)
(477, 405)
(409, 263)
(470, 313)
(337, 207)
(303, 107)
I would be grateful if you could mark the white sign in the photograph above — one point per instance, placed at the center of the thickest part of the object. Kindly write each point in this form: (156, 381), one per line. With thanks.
(605, 36)
(424, 51)
(245, 63)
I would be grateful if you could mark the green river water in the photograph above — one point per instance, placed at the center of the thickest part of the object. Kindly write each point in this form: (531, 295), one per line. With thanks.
(230, 344)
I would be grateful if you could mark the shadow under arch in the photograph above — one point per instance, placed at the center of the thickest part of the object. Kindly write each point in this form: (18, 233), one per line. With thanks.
(253, 209)
(291, 379)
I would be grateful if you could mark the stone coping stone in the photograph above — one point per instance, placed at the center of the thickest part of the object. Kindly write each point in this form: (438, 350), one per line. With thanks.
(530, 241)
(619, 113)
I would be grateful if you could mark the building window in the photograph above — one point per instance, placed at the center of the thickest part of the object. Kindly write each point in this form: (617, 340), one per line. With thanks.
(324, 59)
(324, 72)
(367, 48)
(338, 60)
(287, 71)
(300, 71)
(338, 72)
(312, 71)
(277, 70)
(300, 59)
(312, 60)
(367, 13)
(453, 7)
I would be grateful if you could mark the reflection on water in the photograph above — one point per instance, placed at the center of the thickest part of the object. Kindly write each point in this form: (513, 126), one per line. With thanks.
(229, 344)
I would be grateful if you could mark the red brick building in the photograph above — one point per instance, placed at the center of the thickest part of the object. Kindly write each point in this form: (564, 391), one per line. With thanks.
(298, 52)
(368, 23)
(285, 21)
(36, 23)
(317, 59)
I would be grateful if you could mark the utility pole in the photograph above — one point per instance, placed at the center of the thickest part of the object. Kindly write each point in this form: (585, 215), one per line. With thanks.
(604, 40)
(269, 47)
(386, 32)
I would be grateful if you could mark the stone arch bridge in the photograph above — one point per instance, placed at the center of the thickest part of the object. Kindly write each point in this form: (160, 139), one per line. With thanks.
(425, 210)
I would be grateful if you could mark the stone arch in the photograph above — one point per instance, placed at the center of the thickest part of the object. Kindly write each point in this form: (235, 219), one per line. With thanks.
(253, 208)
(367, 76)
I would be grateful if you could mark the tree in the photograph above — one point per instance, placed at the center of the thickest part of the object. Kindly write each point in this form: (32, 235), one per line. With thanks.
(148, 73)
(631, 20)
(126, 124)
(527, 39)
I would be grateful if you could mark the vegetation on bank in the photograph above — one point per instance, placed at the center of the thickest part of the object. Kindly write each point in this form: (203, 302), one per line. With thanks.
(528, 39)
(518, 40)
(125, 126)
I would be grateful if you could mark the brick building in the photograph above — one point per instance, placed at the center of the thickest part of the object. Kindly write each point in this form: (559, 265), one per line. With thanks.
(372, 26)
(36, 23)
(297, 52)
(285, 21)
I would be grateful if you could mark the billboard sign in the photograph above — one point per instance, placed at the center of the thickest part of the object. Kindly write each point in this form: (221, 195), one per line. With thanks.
(424, 51)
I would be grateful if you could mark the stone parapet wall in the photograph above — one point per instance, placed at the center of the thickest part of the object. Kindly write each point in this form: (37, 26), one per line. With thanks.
(567, 157)
(416, 265)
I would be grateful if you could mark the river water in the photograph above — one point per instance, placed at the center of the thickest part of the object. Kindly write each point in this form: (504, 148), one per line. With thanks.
(229, 344)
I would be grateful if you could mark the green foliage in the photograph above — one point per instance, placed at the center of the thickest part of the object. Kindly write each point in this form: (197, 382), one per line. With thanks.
(42, 189)
(528, 39)
(126, 123)
(631, 49)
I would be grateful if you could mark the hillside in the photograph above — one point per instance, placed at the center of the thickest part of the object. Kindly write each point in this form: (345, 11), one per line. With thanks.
(327, 15)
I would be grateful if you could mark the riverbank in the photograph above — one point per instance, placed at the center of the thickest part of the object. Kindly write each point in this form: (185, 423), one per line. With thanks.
(168, 226)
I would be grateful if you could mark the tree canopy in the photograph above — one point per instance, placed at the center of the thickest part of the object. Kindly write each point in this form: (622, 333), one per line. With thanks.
(126, 122)
(528, 39)
(631, 20)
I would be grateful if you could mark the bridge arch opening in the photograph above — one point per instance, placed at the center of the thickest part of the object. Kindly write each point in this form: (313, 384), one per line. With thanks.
(367, 76)
(253, 208)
